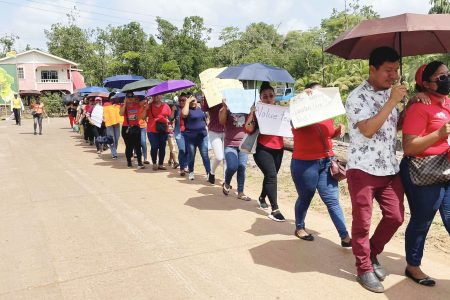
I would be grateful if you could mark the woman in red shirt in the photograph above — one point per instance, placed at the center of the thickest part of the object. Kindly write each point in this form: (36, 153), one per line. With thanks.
(425, 132)
(268, 156)
(157, 114)
(310, 170)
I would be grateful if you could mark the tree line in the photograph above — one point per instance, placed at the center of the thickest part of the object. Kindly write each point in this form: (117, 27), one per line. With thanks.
(175, 53)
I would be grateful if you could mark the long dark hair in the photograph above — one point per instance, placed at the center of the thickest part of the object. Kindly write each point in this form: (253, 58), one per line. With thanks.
(429, 70)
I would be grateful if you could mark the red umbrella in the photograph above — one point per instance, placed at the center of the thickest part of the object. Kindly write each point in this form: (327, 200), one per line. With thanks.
(409, 34)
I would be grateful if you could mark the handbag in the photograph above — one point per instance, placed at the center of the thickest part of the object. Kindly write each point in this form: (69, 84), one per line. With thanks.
(337, 168)
(430, 169)
(160, 126)
(249, 142)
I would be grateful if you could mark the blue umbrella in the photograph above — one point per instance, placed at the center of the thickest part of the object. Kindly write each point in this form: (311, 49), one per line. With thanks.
(92, 89)
(119, 81)
(257, 72)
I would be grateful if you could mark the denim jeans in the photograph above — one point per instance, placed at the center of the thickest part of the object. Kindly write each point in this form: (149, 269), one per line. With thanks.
(158, 146)
(312, 175)
(236, 161)
(144, 142)
(199, 141)
(114, 132)
(424, 202)
(182, 152)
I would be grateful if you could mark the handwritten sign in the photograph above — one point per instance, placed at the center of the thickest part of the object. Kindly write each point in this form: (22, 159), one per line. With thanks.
(322, 104)
(239, 100)
(273, 119)
(212, 86)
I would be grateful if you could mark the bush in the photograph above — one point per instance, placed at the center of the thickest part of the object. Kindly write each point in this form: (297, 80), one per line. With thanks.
(53, 104)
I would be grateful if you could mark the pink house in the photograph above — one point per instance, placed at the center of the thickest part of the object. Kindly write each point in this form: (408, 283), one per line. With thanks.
(41, 71)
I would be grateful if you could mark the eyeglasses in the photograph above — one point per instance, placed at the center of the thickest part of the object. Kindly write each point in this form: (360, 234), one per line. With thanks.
(443, 77)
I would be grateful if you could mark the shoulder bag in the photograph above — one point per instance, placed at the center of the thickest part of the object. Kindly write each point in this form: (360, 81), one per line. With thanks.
(337, 169)
(430, 169)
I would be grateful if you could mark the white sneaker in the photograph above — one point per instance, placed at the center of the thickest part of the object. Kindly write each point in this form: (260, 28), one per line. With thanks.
(191, 176)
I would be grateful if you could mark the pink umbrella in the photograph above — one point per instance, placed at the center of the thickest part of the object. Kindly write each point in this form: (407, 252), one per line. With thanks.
(409, 34)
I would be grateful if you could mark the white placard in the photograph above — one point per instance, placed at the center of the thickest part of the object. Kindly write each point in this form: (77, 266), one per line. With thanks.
(322, 104)
(273, 119)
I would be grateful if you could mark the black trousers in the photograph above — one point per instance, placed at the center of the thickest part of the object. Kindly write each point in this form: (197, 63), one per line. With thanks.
(132, 142)
(269, 162)
(16, 112)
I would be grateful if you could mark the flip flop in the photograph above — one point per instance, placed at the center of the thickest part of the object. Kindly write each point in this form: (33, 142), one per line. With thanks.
(427, 281)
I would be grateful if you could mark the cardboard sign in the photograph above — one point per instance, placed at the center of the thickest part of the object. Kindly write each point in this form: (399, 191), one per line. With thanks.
(273, 119)
(212, 86)
(239, 100)
(322, 104)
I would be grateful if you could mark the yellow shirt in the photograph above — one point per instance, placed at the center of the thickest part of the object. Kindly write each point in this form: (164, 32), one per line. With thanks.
(111, 115)
(17, 103)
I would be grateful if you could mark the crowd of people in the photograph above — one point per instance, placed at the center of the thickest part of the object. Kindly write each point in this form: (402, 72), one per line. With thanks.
(373, 171)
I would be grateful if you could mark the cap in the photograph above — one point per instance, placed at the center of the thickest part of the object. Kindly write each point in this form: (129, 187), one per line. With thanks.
(98, 99)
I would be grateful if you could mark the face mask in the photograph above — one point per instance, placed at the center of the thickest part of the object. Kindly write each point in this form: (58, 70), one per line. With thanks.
(443, 86)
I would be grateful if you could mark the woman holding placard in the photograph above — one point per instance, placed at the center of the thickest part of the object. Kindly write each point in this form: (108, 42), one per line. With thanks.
(310, 170)
(268, 156)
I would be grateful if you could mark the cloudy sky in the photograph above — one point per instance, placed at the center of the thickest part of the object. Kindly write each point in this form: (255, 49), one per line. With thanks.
(29, 18)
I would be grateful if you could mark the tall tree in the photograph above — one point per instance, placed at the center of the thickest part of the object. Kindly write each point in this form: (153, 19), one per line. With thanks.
(439, 7)
(7, 43)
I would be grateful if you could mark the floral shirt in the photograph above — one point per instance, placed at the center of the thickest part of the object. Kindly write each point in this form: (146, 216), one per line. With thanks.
(375, 155)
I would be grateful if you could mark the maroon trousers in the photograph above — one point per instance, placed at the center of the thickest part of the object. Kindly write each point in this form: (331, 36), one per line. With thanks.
(388, 192)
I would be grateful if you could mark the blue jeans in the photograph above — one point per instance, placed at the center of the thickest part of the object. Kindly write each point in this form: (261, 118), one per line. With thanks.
(144, 142)
(312, 175)
(236, 162)
(182, 152)
(199, 141)
(158, 146)
(114, 131)
(424, 202)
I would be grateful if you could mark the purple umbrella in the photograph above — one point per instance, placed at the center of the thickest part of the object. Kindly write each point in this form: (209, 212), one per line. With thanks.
(170, 86)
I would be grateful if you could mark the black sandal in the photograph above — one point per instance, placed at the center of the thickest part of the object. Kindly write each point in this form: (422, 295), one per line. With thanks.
(309, 237)
(427, 281)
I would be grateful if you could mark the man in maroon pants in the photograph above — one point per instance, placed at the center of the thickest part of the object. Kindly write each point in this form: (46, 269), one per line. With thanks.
(373, 170)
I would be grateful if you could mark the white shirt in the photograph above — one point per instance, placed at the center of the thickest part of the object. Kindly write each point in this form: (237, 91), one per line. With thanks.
(375, 155)
(97, 115)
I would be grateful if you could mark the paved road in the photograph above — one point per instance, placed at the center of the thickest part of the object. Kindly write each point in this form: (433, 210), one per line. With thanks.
(74, 225)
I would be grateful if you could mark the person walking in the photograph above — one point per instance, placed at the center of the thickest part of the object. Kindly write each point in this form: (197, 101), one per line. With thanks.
(268, 156)
(310, 171)
(143, 128)
(132, 132)
(425, 132)
(236, 160)
(216, 137)
(37, 110)
(372, 167)
(72, 113)
(195, 135)
(157, 114)
(178, 131)
(17, 108)
(95, 118)
(112, 118)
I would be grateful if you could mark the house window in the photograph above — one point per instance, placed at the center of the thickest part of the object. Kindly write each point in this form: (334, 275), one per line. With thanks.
(20, 73)
(49, 76)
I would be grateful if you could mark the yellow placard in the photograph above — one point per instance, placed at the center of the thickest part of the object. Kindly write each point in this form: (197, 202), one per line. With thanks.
(212, 86)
